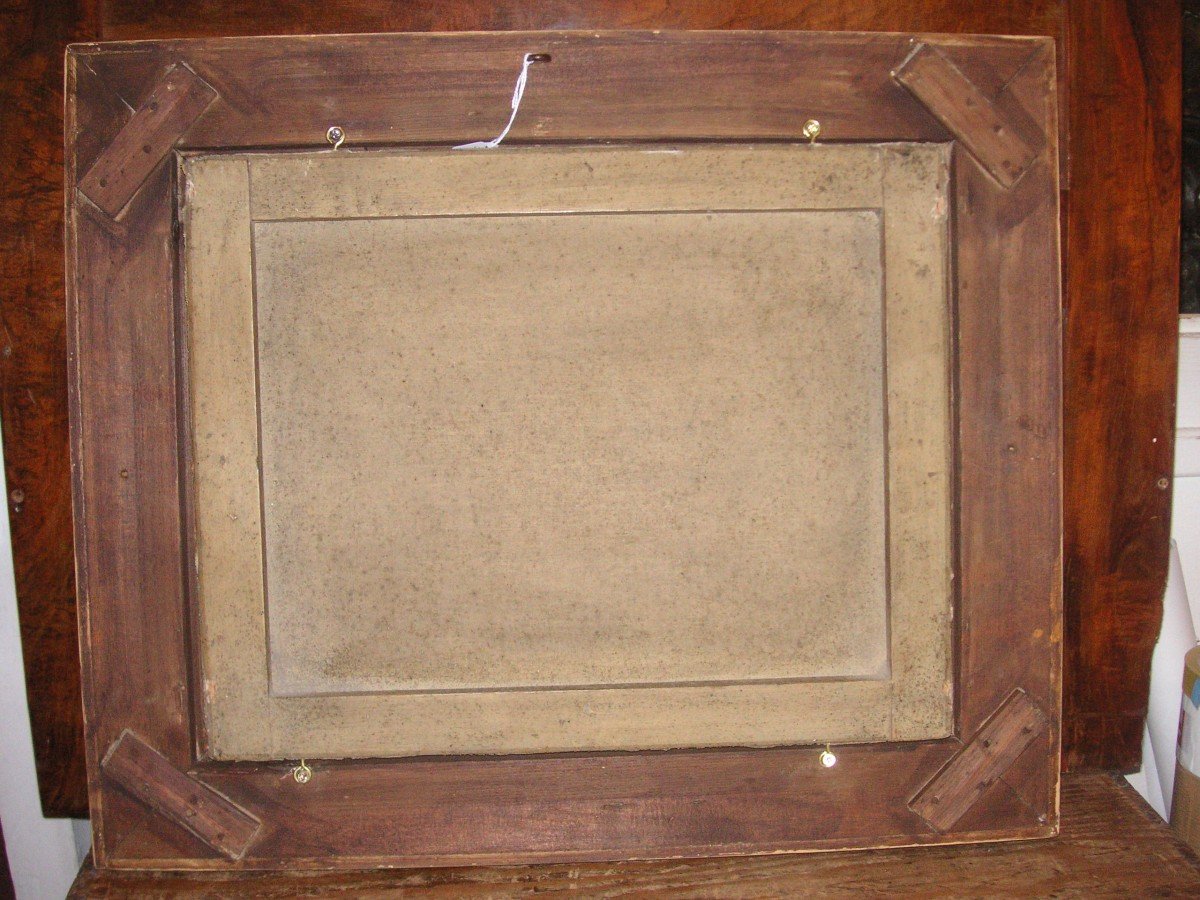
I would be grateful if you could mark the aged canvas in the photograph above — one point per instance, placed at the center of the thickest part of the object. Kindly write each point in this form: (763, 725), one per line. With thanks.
(564, 449)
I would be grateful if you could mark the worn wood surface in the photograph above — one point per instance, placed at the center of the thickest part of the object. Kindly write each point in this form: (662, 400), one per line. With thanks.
(1122, 292)
(570, 808)
(141, 771)
(1122, 57)
(1010, 442)
(1111, 845)
(984, 758)
(993, 138)
(33, 382)
(456, 89)
(126, 384)
(177, 100)
(147, 19)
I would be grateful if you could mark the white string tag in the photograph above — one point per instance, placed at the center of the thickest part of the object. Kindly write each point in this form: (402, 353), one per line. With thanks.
(518, 93)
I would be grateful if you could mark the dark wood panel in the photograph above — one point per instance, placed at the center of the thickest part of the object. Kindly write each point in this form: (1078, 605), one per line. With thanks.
(1009, 376)
(142, 19)
(1122, 234)
(1111, 845)
(33, 386)
(291, 105)
(595, 806)
(130, 545)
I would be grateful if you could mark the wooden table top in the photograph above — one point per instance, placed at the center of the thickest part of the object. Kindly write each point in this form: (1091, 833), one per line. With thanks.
(1112, 845)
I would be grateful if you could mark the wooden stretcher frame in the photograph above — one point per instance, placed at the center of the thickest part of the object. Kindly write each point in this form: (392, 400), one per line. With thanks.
(157, 802)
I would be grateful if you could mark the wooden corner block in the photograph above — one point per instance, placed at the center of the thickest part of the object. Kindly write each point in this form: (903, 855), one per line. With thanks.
(149, 776)
(1000, 144)
(982, 760)
(179, 99)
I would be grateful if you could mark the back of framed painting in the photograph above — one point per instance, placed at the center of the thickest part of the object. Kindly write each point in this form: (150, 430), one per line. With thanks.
(703, 456)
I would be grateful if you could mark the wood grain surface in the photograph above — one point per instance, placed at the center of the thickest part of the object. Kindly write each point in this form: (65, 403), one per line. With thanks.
(33, 381)
(1111, 845)
(145, 774)
(992, 138)
(1122, 292)
(987, 756)
(1123, 61)
(177, 100)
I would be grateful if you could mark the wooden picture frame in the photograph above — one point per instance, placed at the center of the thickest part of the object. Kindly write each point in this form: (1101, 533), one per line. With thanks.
(159, 801)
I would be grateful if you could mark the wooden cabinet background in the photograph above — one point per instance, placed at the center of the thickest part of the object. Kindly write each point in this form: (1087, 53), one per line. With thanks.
(1120, 73)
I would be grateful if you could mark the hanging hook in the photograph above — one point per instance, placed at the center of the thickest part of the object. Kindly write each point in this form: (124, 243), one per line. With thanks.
(302, 773)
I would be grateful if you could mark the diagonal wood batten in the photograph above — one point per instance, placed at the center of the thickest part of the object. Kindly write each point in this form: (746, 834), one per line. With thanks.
(138, 768)
(992, 138)
(983, 760)
(178, 100)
